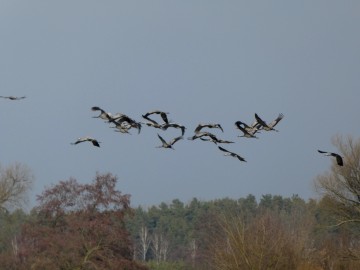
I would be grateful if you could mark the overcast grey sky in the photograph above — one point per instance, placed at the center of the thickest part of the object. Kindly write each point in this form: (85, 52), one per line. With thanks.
(201, 61)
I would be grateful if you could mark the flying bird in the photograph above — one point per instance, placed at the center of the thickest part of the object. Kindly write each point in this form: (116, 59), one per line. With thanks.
(168, 144)
(103, 114)
(174, 125)
(122, 127)
(13, 97)
(162, 114)
(248, 132)
(339, 159)
(228, 153)
(151, 122)
(123, 120)
(201, 126)
(271, 125)
(201, 134)
(87, 139)
(215, 140)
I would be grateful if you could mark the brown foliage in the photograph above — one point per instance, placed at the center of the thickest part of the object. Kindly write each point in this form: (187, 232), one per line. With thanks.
(79, 227)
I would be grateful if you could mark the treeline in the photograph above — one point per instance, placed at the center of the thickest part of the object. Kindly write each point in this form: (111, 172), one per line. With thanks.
(274, 232)
(285, 233)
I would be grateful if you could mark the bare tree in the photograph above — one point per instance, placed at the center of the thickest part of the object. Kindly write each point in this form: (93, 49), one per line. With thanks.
(265, 242)
(340, 186)
(15, 181)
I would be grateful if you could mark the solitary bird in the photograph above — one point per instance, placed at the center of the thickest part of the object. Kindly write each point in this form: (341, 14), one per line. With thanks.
(228, 153)
(87, 139)
(13, 97)
(168, 144)
(271, 125)
(339, 159)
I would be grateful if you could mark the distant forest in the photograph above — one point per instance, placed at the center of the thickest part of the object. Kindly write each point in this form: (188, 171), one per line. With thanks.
(93, 226)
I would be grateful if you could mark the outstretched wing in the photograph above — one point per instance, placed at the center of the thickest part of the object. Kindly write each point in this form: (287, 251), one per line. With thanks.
(277, 120)
(223, 149)
(161, 139)
(339, 160)
(164, 117)
(260, 121)
(198, 128)
(176, 139)
(96, 108)
(240, 158)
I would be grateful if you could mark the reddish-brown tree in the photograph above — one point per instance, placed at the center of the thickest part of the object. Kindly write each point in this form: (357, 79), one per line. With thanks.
(79, 227)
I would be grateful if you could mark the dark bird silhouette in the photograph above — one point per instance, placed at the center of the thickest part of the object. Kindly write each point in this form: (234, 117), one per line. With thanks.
(103, 114)
(215, 140)
(13, 97)
(339, 159)
(210, 125)
(122, 127)
(151, 122)
(248, 131)
(87, 139)
(168, 144)
(124, 122)
(201, 135)
(251, 129)
(272, 124)
(162, 114)
(207, 136)
(174, 125)
(228, 153)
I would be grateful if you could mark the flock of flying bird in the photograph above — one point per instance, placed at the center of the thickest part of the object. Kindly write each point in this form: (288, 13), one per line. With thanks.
(123, 123)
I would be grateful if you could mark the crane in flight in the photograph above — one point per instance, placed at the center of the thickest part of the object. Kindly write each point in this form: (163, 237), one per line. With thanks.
(151, 122)
(174, 125)
(87, 139)
(169, 144)
(271, 125)
(162, 114)
(247, 131)
(210, 125)
(103, 114)
(228, 153)
(339, 159)
(13, 97)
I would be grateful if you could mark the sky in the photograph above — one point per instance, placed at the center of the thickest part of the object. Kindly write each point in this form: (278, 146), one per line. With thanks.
(202, 61)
